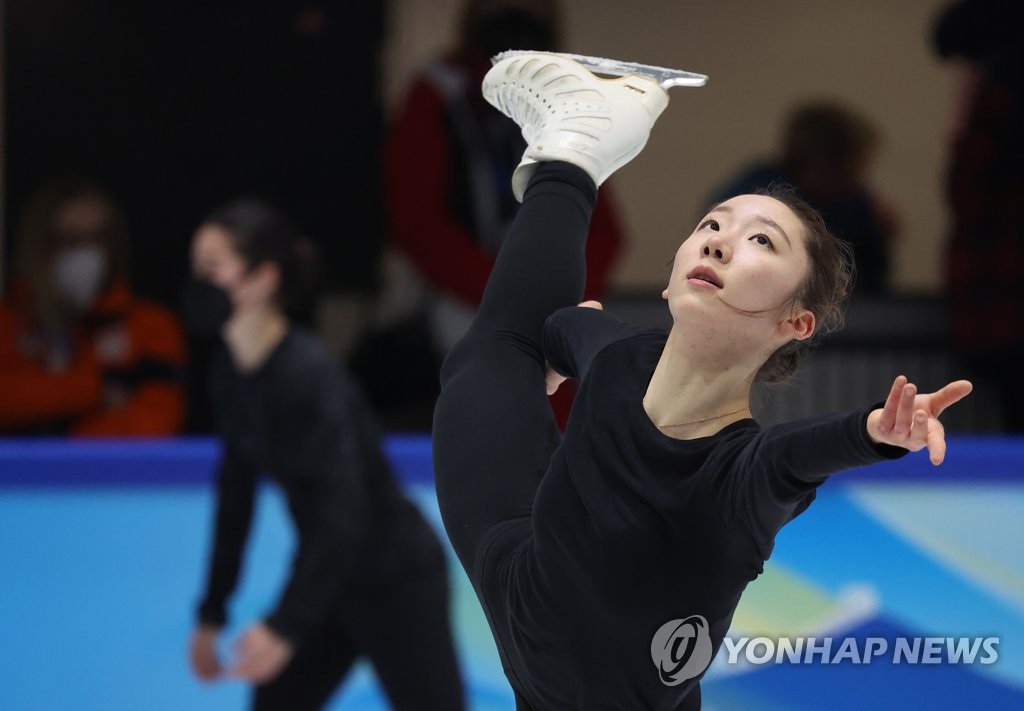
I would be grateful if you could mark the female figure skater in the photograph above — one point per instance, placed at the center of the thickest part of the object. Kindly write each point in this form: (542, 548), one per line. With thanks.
(369, 575)
(663, 500)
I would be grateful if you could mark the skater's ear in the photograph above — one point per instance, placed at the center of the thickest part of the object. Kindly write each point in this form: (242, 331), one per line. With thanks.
(799, 326)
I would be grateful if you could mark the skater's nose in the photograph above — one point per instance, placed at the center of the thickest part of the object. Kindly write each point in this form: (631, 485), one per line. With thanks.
(717, 247)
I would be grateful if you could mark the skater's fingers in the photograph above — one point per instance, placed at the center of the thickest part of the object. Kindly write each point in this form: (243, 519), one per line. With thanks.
(936, 441)
(905, 411)
(888, 420)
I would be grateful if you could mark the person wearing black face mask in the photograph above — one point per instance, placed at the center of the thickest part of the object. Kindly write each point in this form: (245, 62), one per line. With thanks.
(451, 207)
(369, 576)
(206, 306)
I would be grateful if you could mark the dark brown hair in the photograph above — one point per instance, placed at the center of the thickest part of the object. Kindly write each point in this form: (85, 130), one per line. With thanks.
(824, 290)
(261, 233)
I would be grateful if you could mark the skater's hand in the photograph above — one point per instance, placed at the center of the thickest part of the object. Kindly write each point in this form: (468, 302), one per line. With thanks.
(552, 378)
(262, 654)
(911, 421)
(203, 653)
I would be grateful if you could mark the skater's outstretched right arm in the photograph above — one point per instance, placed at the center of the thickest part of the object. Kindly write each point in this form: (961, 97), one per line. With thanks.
(777, 474)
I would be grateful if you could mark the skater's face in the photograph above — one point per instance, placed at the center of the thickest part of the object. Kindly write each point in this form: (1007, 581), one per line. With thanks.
(741, 268)
(215, 259)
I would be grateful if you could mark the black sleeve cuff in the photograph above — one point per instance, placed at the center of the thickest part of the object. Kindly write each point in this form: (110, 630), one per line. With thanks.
(284, 628)
(880, 451)
(212, 615)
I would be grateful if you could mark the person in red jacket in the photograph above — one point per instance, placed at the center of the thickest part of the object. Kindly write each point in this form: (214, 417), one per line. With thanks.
(449, 158)
(79, 354)
(984, 191)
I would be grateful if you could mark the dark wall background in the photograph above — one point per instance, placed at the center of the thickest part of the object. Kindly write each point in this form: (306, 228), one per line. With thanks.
(177, 107)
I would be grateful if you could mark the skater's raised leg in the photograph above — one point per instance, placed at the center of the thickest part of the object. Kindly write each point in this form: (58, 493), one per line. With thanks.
(493, 428)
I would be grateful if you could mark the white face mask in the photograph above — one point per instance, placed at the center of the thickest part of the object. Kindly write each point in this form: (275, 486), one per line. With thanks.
(78, 274)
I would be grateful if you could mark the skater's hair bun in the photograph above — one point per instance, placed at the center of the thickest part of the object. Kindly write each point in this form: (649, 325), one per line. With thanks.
(824, 290)
(261, 233)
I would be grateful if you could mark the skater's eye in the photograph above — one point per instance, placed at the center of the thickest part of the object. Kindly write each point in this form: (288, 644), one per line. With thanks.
(713, 224)
(764, 241)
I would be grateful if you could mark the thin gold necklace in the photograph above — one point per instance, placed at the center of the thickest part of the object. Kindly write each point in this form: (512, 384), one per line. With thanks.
(704, 419)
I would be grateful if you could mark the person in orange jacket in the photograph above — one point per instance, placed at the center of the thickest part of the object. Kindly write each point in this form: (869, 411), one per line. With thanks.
(79, 354)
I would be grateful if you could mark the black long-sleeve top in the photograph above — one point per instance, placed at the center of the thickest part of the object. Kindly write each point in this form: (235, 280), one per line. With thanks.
(632, 529)
(303, 422)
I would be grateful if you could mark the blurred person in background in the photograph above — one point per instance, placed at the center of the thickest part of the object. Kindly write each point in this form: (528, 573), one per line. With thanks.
(448, 163)
(826, 154)
(985, 192)
(79, 354)
(369, 575)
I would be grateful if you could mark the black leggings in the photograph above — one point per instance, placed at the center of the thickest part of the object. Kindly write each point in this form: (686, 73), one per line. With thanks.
(494, 431)
(402, 629)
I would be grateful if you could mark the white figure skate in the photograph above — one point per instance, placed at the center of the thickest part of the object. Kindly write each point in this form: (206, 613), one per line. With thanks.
(592, 112)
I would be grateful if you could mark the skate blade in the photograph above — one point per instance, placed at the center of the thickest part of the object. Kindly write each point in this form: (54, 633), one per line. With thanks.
(665, 77)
